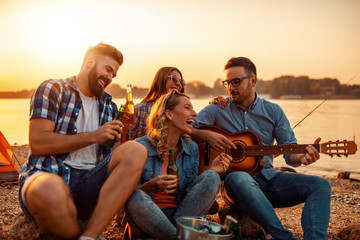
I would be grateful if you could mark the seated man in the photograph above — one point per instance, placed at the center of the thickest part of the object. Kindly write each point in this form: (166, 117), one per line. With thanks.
(70, 175)
(258, 195)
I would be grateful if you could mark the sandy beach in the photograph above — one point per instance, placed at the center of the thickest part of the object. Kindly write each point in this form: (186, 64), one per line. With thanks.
(345, 208)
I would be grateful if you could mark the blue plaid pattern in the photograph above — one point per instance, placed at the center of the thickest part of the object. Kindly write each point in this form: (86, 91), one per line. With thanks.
(142, 112)
(59, 101)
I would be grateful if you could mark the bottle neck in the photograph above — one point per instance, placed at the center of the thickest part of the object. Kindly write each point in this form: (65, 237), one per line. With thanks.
(120, 113)
(171, 158)
(129, 93)
(129, 97)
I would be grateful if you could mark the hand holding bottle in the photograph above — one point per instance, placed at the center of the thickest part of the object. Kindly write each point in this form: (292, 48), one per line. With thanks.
(110, 143)
(167, 183)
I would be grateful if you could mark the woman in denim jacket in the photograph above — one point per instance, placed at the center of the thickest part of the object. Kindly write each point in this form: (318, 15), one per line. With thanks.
(150, 210)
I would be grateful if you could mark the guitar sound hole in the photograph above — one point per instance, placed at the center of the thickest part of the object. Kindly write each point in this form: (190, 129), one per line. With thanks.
(238, 153)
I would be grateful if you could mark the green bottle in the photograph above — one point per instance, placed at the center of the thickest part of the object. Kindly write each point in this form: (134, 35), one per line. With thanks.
(172, 169)
(110, 143)
(231, 225)
(225, 228)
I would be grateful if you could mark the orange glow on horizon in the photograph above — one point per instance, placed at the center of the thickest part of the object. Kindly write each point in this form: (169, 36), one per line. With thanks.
(48, 39)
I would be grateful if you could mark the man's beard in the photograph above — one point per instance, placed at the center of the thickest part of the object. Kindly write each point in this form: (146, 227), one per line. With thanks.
(242, 96)
(93, 81)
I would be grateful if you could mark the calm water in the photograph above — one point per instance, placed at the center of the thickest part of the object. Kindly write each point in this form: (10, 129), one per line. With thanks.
(333, 120)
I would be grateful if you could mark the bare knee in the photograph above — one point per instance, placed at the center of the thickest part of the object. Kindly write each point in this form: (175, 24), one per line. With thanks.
(48, 192)
(130, 154)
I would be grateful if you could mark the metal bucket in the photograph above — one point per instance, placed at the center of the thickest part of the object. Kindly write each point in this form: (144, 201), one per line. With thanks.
(189, 228)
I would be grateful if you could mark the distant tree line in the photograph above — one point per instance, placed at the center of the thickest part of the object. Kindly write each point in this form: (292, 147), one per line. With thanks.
(301, 86)
(18, 94)
(306, 87)
(287, 85)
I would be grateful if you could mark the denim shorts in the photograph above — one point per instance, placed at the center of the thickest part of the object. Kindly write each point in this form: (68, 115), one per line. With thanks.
(85, 186)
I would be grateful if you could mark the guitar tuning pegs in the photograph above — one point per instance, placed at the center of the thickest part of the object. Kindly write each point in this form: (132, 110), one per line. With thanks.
(346, 155)
(331, 155)
(337, 141)
(338, 155)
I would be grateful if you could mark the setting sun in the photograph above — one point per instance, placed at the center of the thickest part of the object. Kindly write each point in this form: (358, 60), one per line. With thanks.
(47, 39)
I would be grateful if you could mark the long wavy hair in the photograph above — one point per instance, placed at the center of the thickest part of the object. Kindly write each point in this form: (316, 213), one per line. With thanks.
(158, 123)
(158, 85)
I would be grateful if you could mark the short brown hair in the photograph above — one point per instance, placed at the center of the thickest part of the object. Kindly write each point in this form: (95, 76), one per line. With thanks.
(242, 62)
(106, 50)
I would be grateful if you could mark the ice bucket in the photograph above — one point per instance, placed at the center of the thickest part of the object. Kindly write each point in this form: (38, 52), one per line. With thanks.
(190, 228)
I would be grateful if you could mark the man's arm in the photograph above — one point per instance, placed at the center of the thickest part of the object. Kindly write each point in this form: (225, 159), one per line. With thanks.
(310, 157)
(44, 141)
(216, 140)
(207, 116)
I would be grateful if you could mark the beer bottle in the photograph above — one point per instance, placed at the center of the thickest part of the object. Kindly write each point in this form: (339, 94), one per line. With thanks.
(172, 169)
(128, 114)
(129, 107)
(225, 228)
(231, 225)
(119, 116)
(235, 227)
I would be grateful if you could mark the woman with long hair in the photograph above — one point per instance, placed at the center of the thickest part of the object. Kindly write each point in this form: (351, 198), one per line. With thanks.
(151, 210)
(166, 79)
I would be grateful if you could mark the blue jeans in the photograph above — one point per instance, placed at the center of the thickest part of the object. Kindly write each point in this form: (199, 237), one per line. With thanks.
(143, 214)
(258, 196)
(85, 186)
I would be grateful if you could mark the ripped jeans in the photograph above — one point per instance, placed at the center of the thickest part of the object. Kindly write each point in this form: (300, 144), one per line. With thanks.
(144, 215)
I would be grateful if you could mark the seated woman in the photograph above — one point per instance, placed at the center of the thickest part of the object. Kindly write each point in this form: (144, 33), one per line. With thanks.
(166, 79)
(150, 209)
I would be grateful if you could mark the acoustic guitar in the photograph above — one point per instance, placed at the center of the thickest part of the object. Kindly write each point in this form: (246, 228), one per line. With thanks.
(249, 155)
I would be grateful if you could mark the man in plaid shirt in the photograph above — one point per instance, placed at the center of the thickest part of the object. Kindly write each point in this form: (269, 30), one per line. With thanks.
(70, 174)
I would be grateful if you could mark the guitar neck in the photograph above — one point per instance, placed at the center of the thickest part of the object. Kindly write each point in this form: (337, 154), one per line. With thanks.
(262, 150)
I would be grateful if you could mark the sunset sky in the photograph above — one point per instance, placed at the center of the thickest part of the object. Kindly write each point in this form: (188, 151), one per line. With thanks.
(42, 39)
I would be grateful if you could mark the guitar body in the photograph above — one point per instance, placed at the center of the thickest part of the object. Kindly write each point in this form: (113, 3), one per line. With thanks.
(241, 162)
(250, 150)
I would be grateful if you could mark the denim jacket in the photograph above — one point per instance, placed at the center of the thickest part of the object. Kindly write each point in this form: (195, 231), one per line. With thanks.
(187, 163)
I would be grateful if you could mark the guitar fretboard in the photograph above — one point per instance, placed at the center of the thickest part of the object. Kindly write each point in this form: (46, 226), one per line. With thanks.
(262, 150)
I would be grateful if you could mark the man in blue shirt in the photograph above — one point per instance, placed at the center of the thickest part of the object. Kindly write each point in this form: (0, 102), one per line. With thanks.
(70, 174)
(258, 195)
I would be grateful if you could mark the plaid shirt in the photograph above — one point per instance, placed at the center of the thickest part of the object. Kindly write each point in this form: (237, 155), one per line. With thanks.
(142, 112)
(59, 101)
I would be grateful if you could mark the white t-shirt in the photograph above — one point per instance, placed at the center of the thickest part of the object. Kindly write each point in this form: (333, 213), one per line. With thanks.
(87, 121)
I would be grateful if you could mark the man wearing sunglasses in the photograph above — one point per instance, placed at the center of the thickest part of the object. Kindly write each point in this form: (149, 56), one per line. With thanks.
(258, 195)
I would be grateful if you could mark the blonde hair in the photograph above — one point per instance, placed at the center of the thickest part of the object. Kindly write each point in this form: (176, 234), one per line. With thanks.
(157, 122)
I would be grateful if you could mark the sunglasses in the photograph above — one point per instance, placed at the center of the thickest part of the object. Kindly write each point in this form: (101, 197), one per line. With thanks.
(177, 80)
(235, 82)
(173, 92)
